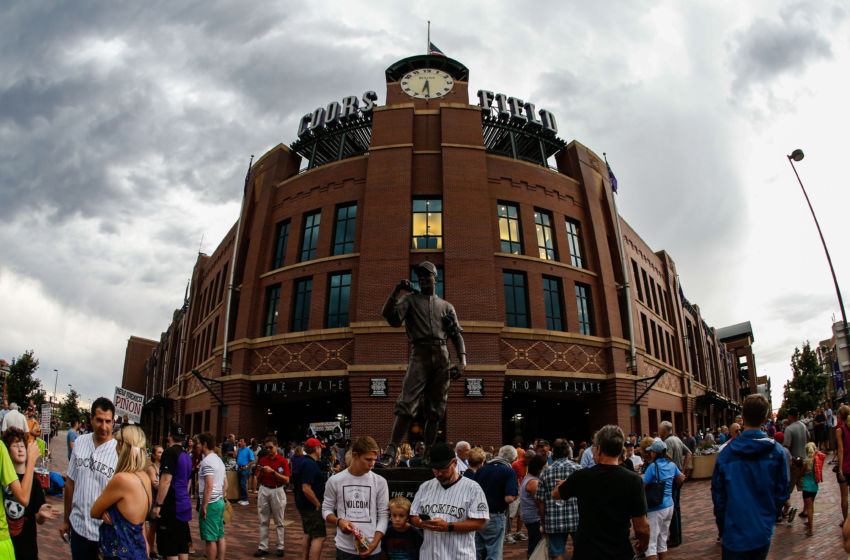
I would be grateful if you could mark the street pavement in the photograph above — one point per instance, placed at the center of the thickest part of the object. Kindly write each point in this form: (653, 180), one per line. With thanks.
(699, 533)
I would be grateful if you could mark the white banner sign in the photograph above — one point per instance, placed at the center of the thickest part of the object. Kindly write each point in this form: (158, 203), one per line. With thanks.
(45, 418)
(127, 403)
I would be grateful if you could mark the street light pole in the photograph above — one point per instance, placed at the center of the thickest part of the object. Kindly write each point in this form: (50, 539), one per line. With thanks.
(55, 383)
(797, 155)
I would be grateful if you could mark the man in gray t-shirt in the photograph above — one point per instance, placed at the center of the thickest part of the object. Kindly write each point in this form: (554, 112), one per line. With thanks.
(795, 441)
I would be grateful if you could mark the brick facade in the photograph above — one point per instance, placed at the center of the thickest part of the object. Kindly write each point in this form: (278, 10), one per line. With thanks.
(432, 149)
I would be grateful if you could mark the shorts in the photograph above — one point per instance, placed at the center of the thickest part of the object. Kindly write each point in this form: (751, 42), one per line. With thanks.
(313, 523)
(212, 526)
(172, 537)
(807, 495)
(796, 480)
(513, 509)
(557, 543)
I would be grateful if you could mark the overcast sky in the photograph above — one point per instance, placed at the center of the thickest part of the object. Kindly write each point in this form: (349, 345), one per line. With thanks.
(126, 128)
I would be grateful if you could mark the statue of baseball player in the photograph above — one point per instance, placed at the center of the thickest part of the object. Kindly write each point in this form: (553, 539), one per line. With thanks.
(429, 321)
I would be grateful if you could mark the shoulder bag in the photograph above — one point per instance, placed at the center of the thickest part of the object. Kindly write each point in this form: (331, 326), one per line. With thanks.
(655, 490)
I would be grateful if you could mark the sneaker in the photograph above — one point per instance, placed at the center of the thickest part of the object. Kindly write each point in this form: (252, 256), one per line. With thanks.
(509, 539)
(520, 536)
(260, 553)
(792, 513)
(243, 502)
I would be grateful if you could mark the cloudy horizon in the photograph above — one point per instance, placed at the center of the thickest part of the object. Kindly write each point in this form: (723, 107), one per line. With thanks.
(126, 130)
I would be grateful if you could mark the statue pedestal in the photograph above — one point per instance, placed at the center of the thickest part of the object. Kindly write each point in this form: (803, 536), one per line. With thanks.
(403, 481)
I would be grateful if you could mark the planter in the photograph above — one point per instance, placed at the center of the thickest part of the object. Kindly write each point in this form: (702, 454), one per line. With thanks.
(703, 466)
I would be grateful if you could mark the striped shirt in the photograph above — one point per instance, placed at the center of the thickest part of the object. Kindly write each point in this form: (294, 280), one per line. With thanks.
(461, 501)
(211, 465)
(90, 468)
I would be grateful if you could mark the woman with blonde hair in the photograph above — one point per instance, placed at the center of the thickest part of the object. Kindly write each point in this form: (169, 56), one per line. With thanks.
(126, 501)
(406, 453)
(842, 438)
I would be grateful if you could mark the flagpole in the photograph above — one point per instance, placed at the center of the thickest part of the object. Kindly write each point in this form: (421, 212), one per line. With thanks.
(632, 352)
(428, 46)
(233, 271)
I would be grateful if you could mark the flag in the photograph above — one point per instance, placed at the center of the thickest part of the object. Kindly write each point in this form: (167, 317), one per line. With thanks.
(432, 49)
(839, 377)
(611, 177)
(247, 177)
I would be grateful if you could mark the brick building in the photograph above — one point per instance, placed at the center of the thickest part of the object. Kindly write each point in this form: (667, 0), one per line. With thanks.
(523, 228)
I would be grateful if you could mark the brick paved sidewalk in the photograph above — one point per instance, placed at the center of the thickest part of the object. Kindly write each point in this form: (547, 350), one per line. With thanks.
(698, 520)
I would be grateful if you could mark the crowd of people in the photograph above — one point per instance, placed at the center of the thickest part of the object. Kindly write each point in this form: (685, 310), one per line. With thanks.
(616, 497)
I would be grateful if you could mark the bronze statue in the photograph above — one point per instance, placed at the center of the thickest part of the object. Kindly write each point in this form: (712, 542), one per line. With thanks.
(429, 321)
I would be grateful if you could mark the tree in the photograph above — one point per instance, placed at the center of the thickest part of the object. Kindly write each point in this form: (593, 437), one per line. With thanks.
(69, 409)
(21, 385)
(807, 388)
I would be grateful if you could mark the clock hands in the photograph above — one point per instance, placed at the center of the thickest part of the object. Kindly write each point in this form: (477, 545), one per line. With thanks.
(427, 87)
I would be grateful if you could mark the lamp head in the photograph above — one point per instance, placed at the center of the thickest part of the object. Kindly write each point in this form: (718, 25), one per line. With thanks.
(796, 155)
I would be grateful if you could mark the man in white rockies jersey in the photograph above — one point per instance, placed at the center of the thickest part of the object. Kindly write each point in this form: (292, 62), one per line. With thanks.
(90, 467)
(449, 508)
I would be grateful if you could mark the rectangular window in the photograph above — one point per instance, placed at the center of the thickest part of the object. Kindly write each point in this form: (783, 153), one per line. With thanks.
(583, 303)
(427, 224)
(554, 303)
(574, 238)
(545, 240)
(339, 292)
(653, 301)
(636, 280)
(661, 302)
(344, 229)
(310, 236)
(646, 288)
(661, 334)
(516, 299)
(654, 339)
(646, 340)
(281, 238)
(509, 231)
(301, 304)
(438, 288)
(272, 301)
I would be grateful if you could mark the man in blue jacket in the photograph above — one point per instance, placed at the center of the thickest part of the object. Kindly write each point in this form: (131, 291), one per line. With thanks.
(749, 486)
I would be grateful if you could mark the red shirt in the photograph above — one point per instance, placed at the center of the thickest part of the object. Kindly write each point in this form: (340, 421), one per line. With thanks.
(520, 468)
(278, 465)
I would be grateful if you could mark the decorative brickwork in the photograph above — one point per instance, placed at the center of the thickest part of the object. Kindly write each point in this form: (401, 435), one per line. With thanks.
(554, 356)
(310, 356)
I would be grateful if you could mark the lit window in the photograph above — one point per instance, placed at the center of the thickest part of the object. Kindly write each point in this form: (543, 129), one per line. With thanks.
(509, 228)
(545, 241)
(427, 224)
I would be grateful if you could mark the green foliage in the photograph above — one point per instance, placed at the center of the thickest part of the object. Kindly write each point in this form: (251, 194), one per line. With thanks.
(21, 385)
(69, 409)
(807, 388)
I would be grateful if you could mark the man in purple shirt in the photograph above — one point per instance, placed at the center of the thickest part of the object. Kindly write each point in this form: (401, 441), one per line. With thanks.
(173, 507)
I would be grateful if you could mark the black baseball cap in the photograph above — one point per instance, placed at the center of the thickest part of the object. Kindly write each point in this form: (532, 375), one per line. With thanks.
(441, 455)
(176, 431)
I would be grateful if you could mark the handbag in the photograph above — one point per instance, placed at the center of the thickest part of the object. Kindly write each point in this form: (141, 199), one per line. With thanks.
(228, 511)
(655, 490)
(541, 551)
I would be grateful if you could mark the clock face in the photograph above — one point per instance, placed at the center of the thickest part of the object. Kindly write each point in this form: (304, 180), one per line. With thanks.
(426, 83)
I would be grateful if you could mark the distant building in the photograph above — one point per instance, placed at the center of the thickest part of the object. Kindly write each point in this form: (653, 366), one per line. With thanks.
(526, 238)
(834, 358)
(764, 389)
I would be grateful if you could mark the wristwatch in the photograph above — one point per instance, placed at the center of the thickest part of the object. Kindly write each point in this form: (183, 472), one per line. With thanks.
(451, 528)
